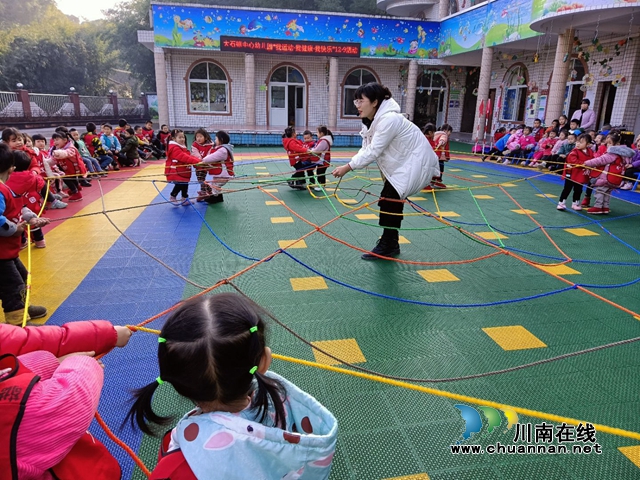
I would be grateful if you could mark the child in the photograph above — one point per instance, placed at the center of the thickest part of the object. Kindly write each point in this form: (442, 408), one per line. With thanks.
(201, 147)
(429, 131)
(15, 140)
(538, 130)
(110, 144)
(248, 421)
(543, 154)
(322, 149)
(55, 399)
(147, 132)
(145, 149)
(441, 140)
(513, 147)
(574, 175)
(177, 167)
(298, 158)
(553, 162)
(69, 161)
(633, 168)
(28, 185)
(48, 170)
(599, 147)
(609, 177)
(564, 151)
(500, 145)
(91, 163)
(309, 142)
(129, 156)
(554, 127)
(96, 149)
(13, 219)
(574, 127)
(527, 144)
(221, 166)
(119, 130)
(164, 137)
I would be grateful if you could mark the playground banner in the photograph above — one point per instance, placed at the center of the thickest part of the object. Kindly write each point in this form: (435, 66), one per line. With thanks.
(181, 26)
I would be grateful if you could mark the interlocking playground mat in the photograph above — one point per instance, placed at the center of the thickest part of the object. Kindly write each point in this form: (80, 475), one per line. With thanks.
(499, 311)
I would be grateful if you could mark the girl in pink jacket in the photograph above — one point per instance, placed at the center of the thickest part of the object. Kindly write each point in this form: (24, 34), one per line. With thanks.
(62, 393)
(527, 144)
(545, 147)
(513, 147)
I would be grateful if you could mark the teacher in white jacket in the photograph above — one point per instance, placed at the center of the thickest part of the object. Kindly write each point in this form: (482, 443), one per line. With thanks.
(403, 154)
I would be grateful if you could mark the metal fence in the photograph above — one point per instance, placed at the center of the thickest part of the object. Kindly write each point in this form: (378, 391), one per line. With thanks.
(130, 106)
(95, 106)
(45, 105)
(10, 106)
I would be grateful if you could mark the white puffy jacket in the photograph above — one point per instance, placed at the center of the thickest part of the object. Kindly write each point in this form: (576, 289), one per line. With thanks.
(402, 152)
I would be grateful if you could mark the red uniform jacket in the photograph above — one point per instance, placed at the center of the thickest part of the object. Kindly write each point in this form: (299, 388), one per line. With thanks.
(35, 164)
(177, 168)
(148, 134)
(296, 150)
(577, 157)
(69, 160)
(28, 185)
(216, 168)
(164, 138)
(10, 246)
(201, 151)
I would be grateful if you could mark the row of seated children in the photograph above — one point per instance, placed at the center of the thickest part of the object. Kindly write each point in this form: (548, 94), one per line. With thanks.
(216, 156)
(308, 155)
(149, 144)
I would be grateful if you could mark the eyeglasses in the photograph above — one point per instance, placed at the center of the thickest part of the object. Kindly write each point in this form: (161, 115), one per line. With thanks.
(358, 102)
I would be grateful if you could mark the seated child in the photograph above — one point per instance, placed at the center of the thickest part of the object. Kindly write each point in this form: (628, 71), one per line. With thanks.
(164, 136)
(49, 171)
(177, 168)
(574, 174)
(513, 148)
(248, 422)
(309, 142)
(543, 154)
(68, 160)
(527, 144)
(554, 162)
(538, 130)
(91, 163)
(500, 144)
(299, 158)
(564, 151)
(129, 155)
(61, 398)
(96, 149)
(110, 144)
(151, 138)
(574, 127)
(221, 160)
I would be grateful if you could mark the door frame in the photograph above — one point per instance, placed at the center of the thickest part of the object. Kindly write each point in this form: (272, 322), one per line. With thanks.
(306, 84)
(447, 92)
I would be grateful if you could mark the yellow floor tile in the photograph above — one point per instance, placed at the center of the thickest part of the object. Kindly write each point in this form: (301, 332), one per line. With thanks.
(447, 214)
(546, 195)
(260, 168)
(346, 350)
(349, 201)
(560, 270)
(483, 197)
(508, 184)
(581, 232)
(263, 173)
(438, 275)
(632, 453)
(417, 199)
(416, 476)
(290, 244)
(454, 170)
(479, 176)
(308, 283)
(491, 235)
(273, 202)
(514, 337)
(402, 240)
(367, 216)
(271, 190)
(524, 212)
(376, 179)
(281, 220)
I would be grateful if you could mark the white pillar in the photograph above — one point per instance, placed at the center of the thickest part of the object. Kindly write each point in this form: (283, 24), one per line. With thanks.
(250, 89)
(412, 84)
(558, 86)
(161, 85)
(334, 86)
(443, 9)
(483, 92)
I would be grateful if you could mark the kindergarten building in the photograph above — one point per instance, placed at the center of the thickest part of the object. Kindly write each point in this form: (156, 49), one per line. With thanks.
(475, 67)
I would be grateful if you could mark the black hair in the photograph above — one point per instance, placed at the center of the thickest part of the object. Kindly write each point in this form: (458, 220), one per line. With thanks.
(501, 130)
(562, 116)
(72, 130)
(565, 131)
(571, 133)
(537, 120)
(122, 123)
(163, 125)
(586, 100)
(64, 133)
(429, 127)
(223, 137)
(513, 129)
(288, 132)
(527, 127)
(61, 129)
(38, 136)
(130, 131)
(307, 132)
(555, 120)
(136, 127)
(107, 125)
(175, 132)
(208, 355)
(585, 136)
(446, 128)
(204, 133)
(325, 131)
(148, 121)
(615, 136)
(7, 133)
(373, 91)
(21, 160)
(6, 157)
(575, 120)
(91, 127)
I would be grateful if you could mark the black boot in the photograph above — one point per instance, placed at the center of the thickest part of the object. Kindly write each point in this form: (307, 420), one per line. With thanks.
(214, 199)
(386, 247)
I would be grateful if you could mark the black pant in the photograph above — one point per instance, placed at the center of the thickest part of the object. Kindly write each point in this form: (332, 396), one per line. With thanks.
(300, 172)
(36, 235)
(321, 177)
(390, 211)
(13, 276)
(72, 183)
(568, 186)
(180, 187)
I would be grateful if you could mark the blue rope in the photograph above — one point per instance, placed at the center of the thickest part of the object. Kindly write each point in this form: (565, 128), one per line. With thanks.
(619, 285)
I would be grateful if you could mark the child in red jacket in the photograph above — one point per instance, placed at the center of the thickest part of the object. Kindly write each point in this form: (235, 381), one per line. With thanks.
(299, 158)
(575, 175)
(70, 162)
(177, 168)
(201, 147)
(441, 141)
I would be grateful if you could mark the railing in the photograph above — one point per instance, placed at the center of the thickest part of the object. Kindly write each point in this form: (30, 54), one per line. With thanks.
(10, 106)
(95, 106)
(130, 106)
(44, 105)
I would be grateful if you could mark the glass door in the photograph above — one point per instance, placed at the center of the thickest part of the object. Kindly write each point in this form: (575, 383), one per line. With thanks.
(278, 105)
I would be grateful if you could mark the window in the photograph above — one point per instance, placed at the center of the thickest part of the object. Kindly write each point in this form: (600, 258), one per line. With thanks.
(515, 95)
(351, 83)
(287, 75)
(208, 88)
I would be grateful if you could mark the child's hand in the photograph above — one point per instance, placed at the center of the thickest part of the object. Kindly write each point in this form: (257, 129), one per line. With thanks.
(38, 222)
(124, 334)
(20, 228)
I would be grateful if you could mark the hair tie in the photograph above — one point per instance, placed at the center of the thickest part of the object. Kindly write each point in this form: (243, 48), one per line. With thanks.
(252, 371)
(254, 329)
(160, 381)
(162, 340)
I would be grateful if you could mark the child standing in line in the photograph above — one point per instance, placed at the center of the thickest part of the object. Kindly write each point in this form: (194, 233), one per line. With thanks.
(248, 421)
(322, 149)
(14, 217)
(177, 168)
(69, 161)
(201, 147)
(574, 174)
(221, 165)
(441, 140)
(299, 158)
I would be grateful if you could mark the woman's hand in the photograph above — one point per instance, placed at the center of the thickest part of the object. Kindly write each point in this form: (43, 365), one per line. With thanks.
(341, 171)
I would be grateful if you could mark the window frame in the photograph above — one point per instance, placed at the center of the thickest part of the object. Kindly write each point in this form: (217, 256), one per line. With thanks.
(520, 91)
(227, 83)
(344, 87)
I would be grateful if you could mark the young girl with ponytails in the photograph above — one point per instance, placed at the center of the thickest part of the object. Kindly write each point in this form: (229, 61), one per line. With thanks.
(177, 168)
(322, 149)
(220, 160)
(201, 147)
(248, 421)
